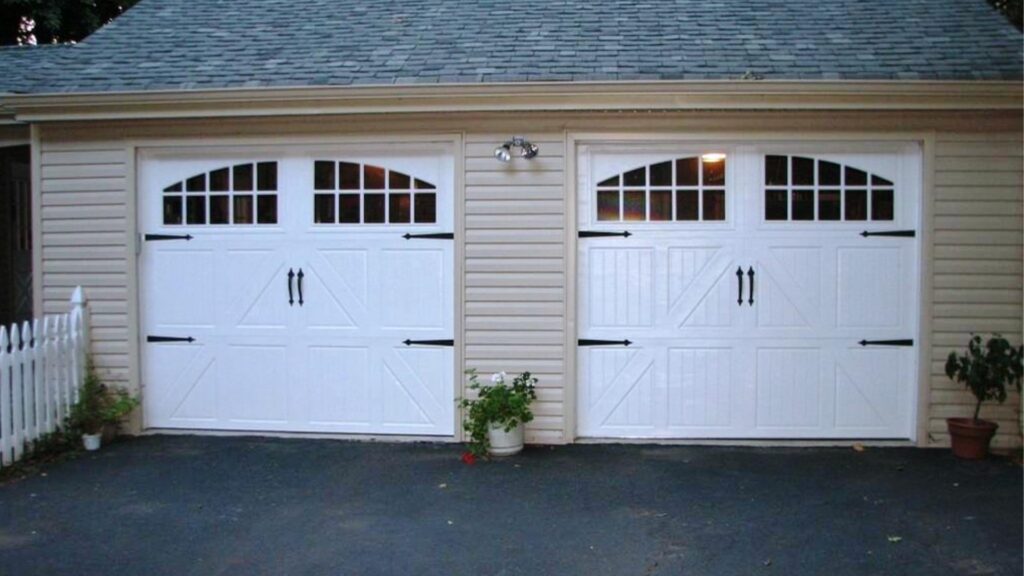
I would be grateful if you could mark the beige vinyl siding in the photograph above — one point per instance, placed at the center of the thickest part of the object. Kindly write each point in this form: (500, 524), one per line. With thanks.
(84, 219)
(515, 271)
(977, 268)
(516, 280)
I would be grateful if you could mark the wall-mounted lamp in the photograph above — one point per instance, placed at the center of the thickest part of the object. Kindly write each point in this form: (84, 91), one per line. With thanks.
(712, 157)
(526, 148)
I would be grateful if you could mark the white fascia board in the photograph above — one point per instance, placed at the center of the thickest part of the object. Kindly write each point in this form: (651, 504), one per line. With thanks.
(519, 97)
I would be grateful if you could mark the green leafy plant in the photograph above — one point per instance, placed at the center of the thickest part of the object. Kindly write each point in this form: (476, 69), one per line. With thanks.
(497, 404)
(986, 370)
(98, 405)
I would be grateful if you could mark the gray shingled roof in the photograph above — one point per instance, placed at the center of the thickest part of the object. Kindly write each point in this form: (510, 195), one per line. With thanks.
(192, 44)
(22, 67)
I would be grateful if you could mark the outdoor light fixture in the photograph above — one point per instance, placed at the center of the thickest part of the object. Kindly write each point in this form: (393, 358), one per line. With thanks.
(526, 148)
(712, 157)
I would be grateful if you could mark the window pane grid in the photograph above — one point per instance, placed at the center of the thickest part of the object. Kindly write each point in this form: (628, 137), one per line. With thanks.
(810, 189)
(688, 197)
(365, 194)
(237, 194)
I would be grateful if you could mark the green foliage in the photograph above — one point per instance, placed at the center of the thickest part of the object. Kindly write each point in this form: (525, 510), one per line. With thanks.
(1012, 9)
(496, 404)
(50, 21)
(98, 405)
(987, 370)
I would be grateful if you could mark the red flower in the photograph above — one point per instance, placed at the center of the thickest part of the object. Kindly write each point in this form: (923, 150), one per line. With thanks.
(468, 458)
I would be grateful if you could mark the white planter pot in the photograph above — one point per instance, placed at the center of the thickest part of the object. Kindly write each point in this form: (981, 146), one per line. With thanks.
(91, 441)
(505, 443)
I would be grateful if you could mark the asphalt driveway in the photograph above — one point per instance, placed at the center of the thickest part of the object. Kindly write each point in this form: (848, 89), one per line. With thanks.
(248, 506)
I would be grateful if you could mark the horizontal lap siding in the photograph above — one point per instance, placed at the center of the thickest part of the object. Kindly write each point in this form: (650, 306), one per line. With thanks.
(84, 221)
(515, 277)
(977, 268)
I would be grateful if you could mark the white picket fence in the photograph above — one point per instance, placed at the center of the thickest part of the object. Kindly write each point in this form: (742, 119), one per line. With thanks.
(42, 366)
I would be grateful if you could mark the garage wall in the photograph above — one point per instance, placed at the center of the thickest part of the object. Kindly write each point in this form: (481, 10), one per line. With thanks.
(978, 265)
(516, 287)
(83, 241)
(515, 277)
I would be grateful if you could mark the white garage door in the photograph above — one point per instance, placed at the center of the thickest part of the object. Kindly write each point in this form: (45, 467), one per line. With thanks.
(298, 290)
(764, 291)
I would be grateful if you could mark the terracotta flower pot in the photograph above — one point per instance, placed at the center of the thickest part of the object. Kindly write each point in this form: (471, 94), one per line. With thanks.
(971, 437)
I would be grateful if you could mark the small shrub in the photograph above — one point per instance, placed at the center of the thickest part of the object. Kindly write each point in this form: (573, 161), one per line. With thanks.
(98, 405)
(987, 370)
(497, 404)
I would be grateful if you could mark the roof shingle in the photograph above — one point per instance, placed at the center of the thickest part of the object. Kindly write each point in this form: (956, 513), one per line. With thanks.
(194, 44)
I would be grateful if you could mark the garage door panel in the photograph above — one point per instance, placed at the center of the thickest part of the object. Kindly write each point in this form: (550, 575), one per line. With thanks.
(198, 397)
(412, 288)
(710, 301)
(331, 359)
(340, 390)
(407, 400)
(787, 287)
(788, 383)
(687, 264)
(258, 301)
(869, 294)
(180, 383)
(773, 352)
(869, 395)
(622, 384)
(700, 382)
(186, 278)
(328, 303)
(351, 267)
(620, 286)
(254, 384)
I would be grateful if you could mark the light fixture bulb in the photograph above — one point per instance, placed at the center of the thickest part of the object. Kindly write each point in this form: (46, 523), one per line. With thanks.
(712, 157)
(502, 153)
(526, 149)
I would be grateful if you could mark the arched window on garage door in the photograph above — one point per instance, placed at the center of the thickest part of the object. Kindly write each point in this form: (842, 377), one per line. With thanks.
(240, 194)
(800, 188)
(688, 189)
(353, 193)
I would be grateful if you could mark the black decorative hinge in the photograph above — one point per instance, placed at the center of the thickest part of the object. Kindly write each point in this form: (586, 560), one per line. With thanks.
(428, 342)
(434, 236)
(152, 237)
(896, 233)
(595, 234)
(188, 339)
(588, 342)
(906, 342)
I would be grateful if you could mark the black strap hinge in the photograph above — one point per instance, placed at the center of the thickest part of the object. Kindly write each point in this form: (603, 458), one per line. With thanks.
(188, 339)
(152, 237)
(906, 342)
(596, 234)
(894, 233)
(589, 342)
(428, 342)
(433, 236)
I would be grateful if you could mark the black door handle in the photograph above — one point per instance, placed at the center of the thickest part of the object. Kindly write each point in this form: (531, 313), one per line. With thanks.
(300, 275)
(291, 275)
(739, 293)
(750, 274)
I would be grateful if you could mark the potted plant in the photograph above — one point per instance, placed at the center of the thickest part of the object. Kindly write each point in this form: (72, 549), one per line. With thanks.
(495, 419)
(986, 370)
(98, 407)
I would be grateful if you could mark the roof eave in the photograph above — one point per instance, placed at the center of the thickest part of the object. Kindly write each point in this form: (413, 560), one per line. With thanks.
(519, 97)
